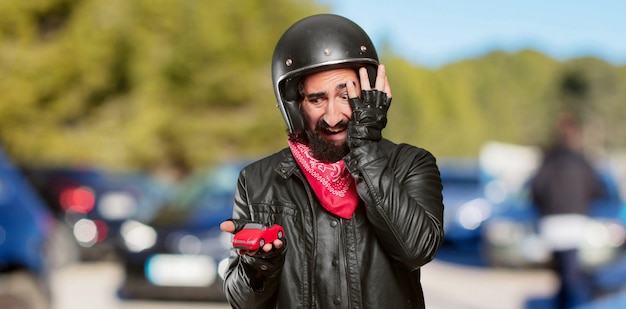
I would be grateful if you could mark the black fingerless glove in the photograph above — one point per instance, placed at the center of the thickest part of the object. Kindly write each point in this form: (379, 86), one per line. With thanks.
(261, 265)
(369, 117)
(239, 224)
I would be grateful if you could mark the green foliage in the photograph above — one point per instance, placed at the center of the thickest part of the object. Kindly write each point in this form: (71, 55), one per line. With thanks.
(135, 83)
(144, 83)
(500, 96)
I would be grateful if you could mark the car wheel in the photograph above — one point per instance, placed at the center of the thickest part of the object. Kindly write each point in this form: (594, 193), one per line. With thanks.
(280, 234)
(261, 243)
(22, 290)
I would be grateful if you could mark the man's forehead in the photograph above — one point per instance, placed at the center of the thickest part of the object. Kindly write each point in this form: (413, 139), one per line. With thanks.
(334, 78)
(349, 71)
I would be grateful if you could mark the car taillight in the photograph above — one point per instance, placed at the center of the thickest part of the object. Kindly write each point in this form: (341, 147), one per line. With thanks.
(78, 199)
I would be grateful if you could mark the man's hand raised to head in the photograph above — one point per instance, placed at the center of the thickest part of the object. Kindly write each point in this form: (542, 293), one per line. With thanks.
(382, 84)
(369, 111)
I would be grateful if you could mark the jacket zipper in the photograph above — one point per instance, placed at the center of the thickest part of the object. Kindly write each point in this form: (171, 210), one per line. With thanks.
(314, 227)
(344, 254)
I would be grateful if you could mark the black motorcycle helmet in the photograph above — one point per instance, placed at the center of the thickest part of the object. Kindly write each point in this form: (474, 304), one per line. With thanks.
(313, 44)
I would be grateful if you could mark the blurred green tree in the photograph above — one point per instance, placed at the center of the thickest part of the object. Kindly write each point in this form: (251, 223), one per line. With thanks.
(595, 92)
(138, 83)
(147, 83)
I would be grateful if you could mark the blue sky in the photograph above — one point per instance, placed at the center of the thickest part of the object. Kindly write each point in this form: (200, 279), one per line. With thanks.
(433, 33)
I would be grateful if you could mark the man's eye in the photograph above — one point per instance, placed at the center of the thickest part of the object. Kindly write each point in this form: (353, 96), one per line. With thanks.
(345, 96)
(315, 100)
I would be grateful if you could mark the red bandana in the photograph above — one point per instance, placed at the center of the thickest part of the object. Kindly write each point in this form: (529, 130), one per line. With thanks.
(332, 183)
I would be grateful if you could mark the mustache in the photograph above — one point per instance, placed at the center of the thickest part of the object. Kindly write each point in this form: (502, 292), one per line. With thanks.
(322, 125)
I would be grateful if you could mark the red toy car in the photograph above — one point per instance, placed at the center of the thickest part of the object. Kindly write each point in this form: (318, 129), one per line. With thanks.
(254, 235)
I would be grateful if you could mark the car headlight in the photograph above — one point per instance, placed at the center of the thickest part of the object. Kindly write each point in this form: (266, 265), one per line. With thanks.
(472, 214)
(601, 242)
(213, 242)
(604, 234)
(188, 244)
(117, 205)
(181, 270)
(89, 232)
(505, 232)
(138, 236)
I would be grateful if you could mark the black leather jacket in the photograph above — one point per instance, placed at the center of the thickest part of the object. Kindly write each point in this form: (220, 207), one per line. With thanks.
(372, 260)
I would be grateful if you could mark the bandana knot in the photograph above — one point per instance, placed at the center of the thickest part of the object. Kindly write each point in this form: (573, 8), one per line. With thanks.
(332, 183)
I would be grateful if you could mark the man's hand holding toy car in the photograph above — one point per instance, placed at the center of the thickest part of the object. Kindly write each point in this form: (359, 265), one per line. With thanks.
(243, 226)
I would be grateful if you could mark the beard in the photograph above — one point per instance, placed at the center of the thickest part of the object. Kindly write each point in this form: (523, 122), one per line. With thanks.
(321, 148)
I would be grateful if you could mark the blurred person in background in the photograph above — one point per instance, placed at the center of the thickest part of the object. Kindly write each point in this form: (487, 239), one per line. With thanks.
(361, 214)
(563, 189)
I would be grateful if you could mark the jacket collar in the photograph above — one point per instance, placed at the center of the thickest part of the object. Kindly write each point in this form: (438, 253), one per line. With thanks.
(287, 165)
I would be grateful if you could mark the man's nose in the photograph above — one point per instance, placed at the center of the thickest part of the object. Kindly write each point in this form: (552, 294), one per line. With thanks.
(333, 114)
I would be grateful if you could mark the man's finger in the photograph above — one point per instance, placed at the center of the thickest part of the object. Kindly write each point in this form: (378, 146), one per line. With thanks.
(387, 88)
(381, 77)
(227, 226)
(278, 243)
(365, 81)
(267, 247)
(271, 245)
(353, 92)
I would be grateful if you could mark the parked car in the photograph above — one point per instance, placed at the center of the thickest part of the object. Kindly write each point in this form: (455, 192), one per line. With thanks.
(465, 210)
(93, 203)
(512, 238)
(181, 253)
(464, 199)
(26, 225)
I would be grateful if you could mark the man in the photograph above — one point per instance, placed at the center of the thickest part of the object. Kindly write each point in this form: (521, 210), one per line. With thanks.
(361, 214)
(563, 189)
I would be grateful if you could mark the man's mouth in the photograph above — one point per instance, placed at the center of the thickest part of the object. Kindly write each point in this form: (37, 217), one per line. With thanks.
(332, 131)
(324, 128)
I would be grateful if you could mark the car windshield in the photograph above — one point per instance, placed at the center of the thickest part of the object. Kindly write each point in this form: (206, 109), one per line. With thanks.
(206, 196)
(255, 226)
(461, 185)
(211, 189)
(461, 182)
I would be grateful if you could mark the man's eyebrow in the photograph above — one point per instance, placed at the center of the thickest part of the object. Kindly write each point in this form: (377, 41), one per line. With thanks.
(314, 95)
(321, 94)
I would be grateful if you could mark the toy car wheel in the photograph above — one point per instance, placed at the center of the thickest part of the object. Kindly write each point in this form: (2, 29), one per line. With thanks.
(280, 234)
(261, 243)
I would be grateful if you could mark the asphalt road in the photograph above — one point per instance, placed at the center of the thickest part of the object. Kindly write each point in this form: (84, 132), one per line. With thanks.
(446, 286)
(94, 286)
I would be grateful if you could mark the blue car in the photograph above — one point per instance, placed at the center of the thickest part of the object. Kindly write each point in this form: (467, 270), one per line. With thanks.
(465, 210)
(26, 225)
(181, 253)
(511, 237)
(465, 204)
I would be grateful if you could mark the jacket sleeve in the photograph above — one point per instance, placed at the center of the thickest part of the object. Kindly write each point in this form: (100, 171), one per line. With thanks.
(252, 281)
(402, 193)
